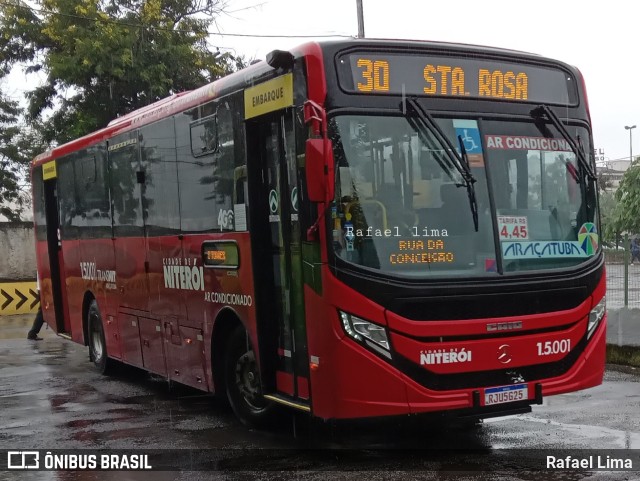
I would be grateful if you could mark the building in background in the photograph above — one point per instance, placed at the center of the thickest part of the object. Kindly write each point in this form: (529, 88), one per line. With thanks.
(612, 171)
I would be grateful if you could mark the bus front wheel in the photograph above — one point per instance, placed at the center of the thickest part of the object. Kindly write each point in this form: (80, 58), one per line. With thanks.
(97, 343)
(244, 389)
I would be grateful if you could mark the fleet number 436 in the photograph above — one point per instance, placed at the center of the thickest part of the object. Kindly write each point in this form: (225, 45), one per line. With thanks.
(548, 348)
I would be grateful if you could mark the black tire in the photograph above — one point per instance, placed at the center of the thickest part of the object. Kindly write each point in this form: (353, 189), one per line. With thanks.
(96, 340)
(244, 390)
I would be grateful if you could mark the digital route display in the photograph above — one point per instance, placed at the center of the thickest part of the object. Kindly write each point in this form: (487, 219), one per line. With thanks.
(449, 76)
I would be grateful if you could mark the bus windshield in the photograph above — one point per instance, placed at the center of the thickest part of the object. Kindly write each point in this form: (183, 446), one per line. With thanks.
(402, 205)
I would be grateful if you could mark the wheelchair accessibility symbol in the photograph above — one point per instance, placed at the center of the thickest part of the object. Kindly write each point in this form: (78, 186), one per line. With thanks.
(471, 139)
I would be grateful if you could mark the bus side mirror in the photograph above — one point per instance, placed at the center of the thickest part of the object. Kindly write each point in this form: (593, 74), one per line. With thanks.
(319, 170)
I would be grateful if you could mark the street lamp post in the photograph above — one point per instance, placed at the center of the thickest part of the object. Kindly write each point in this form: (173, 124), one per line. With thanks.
(360, 19)
(630, 143)
(626, 236)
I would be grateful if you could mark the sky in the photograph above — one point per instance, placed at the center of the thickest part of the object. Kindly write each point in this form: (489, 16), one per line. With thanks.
(600, 38)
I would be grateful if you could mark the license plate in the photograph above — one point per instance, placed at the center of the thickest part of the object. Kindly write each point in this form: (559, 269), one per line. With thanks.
(505, 394)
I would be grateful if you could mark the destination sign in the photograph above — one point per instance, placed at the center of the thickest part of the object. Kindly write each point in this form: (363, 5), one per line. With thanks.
(448, 76)
(421, 252)
(222, 254)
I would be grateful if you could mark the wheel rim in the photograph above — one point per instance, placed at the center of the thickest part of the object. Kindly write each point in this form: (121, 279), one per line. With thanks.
(96, 338)
(248, 381)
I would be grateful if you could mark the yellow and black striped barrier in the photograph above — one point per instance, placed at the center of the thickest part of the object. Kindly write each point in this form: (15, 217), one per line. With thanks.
(19, 298)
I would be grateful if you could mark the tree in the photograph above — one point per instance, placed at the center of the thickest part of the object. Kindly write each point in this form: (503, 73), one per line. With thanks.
(105, 58)
(607, 197)
(626, 213)
(18, 145)
(9, 169)
(607, 215)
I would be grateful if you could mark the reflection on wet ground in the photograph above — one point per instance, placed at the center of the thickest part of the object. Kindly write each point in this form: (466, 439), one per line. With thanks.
(16, 327)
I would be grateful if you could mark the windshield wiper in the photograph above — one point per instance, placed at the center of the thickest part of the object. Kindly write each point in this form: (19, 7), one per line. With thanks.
(542, 110)
(422, 121)
(471, 191)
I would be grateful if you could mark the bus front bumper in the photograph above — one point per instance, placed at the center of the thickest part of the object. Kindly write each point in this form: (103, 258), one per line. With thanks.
(356, 383)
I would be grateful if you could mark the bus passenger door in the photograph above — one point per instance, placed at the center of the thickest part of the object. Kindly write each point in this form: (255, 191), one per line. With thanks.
(276, 241)
(56, 259)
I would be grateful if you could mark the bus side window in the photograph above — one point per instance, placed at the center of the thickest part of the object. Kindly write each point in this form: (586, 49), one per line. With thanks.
(125, 191)
(209, 182)
(224, 166)
(93, 194)
(204, 136)
(39, 215)
(160, 191)
(68, 201)
(197, 199)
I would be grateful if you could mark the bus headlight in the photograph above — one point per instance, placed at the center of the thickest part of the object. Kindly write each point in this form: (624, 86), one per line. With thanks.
(596, 315)
(365, 332)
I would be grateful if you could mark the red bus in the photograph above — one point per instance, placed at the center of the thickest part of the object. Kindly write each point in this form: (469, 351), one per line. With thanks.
(353, 228)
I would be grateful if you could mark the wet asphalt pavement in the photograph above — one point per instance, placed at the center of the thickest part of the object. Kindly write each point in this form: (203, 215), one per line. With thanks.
(51, 398)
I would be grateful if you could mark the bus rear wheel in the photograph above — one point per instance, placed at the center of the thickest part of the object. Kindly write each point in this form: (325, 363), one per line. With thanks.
(244, 389)
(97, 343)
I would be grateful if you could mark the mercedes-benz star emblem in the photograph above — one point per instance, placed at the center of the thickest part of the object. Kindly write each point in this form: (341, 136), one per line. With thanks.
(503, 354)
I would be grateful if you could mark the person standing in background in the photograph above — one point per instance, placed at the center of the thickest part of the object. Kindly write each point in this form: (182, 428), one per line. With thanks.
(635, 250)
(37, 325)
(38, 321)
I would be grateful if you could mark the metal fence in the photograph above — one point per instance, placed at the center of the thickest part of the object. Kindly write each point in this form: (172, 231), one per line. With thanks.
(623, 279)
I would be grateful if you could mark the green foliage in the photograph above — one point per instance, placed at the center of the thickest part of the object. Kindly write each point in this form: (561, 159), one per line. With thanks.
(102, 59)
(626, 213)
(606, 193)
(105, 58)
(18, 145)
(607, 213)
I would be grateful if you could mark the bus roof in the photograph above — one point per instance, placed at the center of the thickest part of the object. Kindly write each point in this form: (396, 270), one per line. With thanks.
(157, 110)
(183, 100)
